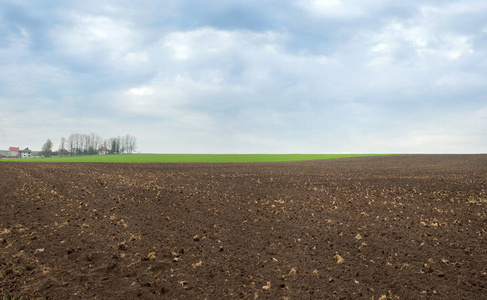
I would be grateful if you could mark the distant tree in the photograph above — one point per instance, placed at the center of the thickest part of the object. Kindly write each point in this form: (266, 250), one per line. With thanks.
(47, 148)
(96, 142)
(61, 146)
(71, 144)
(121, 145)
(131, 143)
(115, 146)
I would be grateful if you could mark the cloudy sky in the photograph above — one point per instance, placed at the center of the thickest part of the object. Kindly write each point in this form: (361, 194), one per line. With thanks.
(243, 76)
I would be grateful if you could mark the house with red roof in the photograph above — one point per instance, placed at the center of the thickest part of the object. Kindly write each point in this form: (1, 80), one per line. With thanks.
(13, 151)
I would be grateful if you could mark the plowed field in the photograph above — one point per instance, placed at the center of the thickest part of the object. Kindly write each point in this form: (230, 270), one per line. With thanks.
(388, 227)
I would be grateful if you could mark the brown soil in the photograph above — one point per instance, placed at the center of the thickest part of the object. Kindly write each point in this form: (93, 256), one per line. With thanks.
(392, 227)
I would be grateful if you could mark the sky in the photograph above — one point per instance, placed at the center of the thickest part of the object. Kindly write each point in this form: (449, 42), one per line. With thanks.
(247, 76)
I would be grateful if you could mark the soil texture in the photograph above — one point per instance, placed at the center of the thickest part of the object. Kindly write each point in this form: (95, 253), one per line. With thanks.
(386, 227)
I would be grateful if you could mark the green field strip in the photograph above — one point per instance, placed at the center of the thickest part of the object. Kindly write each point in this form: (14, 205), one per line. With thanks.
(208, 158)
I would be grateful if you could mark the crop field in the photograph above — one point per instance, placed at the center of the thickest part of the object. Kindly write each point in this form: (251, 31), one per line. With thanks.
(164, 158)
(377, 227)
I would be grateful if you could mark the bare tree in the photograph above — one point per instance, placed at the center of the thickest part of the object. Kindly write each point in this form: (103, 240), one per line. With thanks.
(71, 144)
(77, 144)
(81, 143)
(132, 144)
(97, 143)
(121, 144)
(126, 143)
(61, 146)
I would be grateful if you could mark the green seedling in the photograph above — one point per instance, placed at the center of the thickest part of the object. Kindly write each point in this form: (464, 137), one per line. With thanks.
(474, 200)
(8, 297)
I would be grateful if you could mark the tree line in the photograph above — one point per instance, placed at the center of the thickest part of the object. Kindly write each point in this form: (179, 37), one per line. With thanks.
(90, 144)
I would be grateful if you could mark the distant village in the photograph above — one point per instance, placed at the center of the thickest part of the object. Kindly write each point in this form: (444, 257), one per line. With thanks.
(77, 144)
(15, 152)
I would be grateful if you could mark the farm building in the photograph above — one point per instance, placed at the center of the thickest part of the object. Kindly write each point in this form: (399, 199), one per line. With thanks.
(26, 153)
(103, 151)
(13, 151)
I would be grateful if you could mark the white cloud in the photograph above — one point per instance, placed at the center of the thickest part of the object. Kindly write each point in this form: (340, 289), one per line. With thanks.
(88, 35)
(184, 45)
(332, 8)
(142, 91)
(449, 9)
(416, 42)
